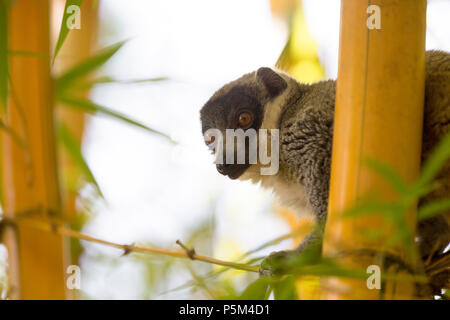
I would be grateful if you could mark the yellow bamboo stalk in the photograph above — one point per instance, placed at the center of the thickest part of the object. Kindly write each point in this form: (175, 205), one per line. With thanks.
(29, 177)
(379, 110)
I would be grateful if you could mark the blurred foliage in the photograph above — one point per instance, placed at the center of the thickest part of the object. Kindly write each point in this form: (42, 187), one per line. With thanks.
(64, 31)
(69, 86)
(68, 78)
(72, 83)
(75, 80)
(299, 56)
(69, 143)
(407, 196)
(310, 263)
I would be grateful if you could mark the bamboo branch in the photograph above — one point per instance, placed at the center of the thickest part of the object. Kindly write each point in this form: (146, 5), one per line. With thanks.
(60, 229)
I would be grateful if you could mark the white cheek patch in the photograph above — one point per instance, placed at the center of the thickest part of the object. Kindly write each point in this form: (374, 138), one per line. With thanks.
(273, 109)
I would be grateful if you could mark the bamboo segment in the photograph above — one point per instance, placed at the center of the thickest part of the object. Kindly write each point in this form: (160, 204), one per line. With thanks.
(379, 111)
(29, 176)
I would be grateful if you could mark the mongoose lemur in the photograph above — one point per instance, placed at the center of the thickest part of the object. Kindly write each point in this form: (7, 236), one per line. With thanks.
(270, 99)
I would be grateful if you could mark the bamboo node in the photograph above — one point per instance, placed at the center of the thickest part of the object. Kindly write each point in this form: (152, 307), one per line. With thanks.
(189, 252)
(127, 248)
(6, 222)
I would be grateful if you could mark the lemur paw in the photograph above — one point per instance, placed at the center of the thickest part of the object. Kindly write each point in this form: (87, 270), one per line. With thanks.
(285, 262)
(277, 263)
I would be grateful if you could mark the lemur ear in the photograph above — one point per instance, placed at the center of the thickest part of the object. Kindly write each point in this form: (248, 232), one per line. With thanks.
(273, 82)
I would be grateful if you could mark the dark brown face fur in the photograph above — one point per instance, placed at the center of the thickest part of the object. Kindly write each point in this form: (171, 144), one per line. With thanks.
(235, 102)
(224, 112)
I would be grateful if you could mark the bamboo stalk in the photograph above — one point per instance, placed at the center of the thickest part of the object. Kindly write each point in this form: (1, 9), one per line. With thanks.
(29, 172)
(379, 110)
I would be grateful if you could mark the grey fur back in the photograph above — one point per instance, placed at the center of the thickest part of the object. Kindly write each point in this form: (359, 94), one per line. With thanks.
(306, 126)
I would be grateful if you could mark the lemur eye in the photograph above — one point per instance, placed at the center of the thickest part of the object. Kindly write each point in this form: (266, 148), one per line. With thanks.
(245, 119)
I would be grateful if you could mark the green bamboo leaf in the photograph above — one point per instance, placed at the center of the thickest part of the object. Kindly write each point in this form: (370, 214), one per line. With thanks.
(4, 7)
(108, 80)
(285, 289)
(436, 161)
(70, 145)
(257, 290)
(93, 108)
(86, 66)
(329, 268)
(64, 31)
(8, 130)
(388, 173)
(433, 208)
(368, 208)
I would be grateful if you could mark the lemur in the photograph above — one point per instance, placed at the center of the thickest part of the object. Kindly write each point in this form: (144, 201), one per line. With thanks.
(303, 114)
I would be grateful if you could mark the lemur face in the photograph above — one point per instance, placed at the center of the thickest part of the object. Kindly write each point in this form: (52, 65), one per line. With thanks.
(236, 109)
(238, 105)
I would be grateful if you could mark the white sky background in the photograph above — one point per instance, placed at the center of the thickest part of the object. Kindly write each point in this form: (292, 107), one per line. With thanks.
(156, 192)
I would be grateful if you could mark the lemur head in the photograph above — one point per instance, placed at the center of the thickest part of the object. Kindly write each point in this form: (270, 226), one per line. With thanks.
(250, 102)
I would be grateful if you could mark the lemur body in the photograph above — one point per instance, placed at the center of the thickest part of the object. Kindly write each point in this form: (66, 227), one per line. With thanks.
(304, 115)
(299, 142)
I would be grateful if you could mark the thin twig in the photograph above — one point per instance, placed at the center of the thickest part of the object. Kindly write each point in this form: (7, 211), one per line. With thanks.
(189, 252)
(127, 248)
